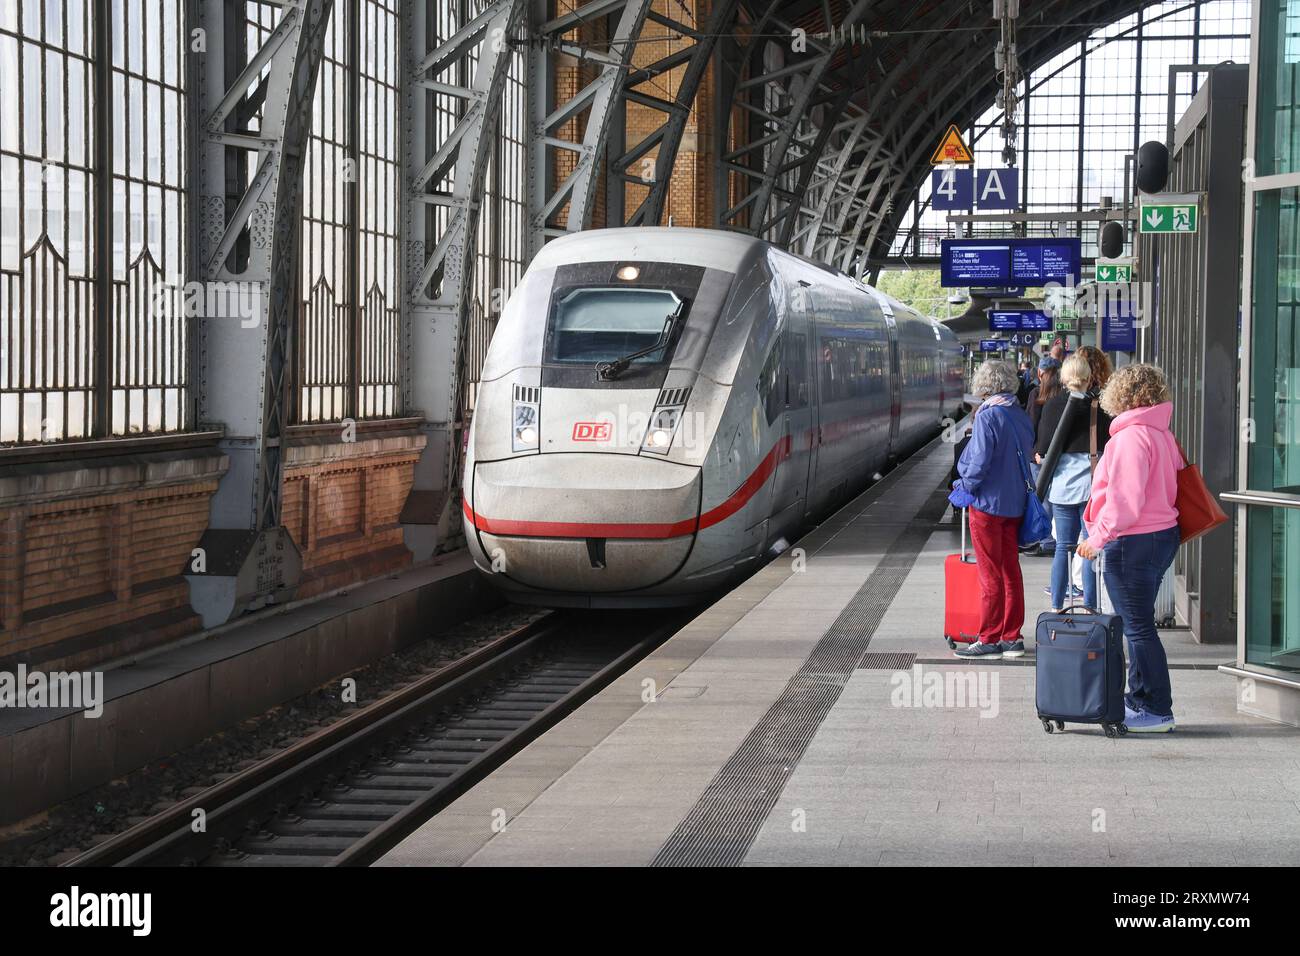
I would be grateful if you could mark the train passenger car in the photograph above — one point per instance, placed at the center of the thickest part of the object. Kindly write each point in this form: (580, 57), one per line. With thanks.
(660, 409)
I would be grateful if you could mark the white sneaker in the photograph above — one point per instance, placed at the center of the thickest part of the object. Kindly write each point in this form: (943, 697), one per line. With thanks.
(1144, 723)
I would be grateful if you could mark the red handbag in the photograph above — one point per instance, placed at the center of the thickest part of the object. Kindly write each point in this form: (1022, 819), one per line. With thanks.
(1198, 511)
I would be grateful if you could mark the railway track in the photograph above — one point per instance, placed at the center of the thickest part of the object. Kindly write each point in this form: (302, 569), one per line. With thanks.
(347, 794)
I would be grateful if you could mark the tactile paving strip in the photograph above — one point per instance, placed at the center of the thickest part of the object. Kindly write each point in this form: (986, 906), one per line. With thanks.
(721, 827)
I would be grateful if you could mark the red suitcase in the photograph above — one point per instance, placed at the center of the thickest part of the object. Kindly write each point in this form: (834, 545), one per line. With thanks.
(961, 599)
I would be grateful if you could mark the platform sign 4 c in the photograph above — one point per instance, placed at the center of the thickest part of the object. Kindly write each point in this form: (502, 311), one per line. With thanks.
(1169, 212)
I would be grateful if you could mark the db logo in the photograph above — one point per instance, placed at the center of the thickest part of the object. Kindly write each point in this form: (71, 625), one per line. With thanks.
(591, 431)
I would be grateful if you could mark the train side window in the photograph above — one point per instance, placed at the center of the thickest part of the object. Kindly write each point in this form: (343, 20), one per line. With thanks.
(831, 361)
(769, 390)
(796, 371)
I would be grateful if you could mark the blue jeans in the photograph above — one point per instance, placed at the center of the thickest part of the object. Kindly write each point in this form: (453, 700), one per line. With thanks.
(1068, 522)
(1133, 568)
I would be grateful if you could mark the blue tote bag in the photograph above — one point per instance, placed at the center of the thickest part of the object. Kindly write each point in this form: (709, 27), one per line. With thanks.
(1036, 524)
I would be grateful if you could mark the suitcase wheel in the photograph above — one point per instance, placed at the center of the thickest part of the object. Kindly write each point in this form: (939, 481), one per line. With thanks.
(952, 645)
(1115, 730)
(1047, 726)
(1060, 725)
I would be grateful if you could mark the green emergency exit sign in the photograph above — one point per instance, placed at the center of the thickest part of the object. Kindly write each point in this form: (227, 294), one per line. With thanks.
(1169, 212)
(1114, 272)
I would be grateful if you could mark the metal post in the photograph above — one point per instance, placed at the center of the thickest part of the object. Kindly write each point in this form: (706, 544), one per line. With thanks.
(246, 558)
(102, 422)
(439, 264)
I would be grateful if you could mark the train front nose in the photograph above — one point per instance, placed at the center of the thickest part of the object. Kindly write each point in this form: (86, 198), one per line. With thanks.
(592, 523)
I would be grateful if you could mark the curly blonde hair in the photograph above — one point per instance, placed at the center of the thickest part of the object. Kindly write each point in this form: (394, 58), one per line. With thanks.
(1134, 386)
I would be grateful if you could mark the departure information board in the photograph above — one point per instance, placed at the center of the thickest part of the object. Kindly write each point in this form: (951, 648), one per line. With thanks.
(1010, 262)
(1024, 320)
(970, 263)
(1048, 262)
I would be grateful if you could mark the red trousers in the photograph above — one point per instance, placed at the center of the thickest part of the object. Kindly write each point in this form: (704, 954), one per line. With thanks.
(1002, 589)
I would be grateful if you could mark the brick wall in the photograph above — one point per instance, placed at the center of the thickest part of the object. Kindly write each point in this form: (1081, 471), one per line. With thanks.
(690, 192)
(92, 551)
(341, 503)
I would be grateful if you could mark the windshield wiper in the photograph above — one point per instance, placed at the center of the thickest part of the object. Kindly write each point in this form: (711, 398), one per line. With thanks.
(608, 371)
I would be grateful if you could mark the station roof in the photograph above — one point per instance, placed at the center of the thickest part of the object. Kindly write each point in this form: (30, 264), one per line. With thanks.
(931, 62)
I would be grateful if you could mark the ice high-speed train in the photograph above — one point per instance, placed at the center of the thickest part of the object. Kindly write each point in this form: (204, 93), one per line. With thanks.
(662, 408)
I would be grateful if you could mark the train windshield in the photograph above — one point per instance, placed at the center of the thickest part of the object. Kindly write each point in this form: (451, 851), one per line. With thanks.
(594, 325)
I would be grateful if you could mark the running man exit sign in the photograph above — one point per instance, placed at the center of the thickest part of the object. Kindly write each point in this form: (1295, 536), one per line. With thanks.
(1169, 212)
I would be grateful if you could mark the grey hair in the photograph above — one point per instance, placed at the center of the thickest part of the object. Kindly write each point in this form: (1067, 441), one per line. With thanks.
(993, 378)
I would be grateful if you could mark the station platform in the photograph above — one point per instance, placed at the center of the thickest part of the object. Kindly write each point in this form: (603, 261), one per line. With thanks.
(789, 724)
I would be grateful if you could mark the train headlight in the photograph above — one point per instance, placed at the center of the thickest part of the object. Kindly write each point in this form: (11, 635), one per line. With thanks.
(525, 427)
(663, 424)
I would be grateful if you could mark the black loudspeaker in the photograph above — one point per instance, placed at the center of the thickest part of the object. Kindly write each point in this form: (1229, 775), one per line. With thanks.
(1152, 167)
(1111, 240)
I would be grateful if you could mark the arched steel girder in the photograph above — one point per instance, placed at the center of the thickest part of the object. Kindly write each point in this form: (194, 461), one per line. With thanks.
(819, 179)
(878, 152)
(668, 135)
(914, 143)
(444, 185)
(567, 207)
(812, 71)
(907, 178)
(868, 210)
(918, 166)
(807, 174)
(902, 109)
(450, 174)
(829, 189)
(872, 142)
(250, 180)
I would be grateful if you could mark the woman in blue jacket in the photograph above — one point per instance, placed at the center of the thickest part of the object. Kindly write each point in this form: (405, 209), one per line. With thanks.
(992, 485)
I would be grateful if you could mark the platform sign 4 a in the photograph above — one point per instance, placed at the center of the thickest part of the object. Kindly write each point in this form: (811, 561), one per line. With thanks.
(998, 188)
(1169, 212)
(1114, 270)
(952, 149)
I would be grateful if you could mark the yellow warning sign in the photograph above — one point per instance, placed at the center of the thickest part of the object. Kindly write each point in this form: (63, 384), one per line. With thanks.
(952, 149)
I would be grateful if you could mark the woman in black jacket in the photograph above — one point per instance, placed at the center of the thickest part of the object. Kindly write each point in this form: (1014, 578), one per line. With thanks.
(1070, 483)
(1048, 387)
(1049, 384)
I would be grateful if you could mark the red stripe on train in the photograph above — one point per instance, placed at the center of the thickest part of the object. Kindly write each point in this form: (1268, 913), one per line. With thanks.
(582, 529)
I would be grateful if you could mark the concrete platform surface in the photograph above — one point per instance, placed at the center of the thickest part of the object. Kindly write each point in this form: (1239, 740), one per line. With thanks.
(767, 733)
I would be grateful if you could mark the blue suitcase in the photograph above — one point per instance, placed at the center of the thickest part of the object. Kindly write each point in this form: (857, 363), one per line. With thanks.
(1079, 670)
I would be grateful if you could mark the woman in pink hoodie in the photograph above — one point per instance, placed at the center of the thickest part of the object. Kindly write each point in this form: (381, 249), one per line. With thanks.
(1131, 519)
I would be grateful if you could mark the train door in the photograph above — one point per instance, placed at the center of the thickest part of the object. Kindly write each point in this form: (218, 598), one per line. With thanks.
(798, 414)
(895, 378)
(824, 387)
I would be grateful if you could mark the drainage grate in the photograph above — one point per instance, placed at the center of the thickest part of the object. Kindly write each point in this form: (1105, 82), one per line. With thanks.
(879, 661)
(721, 827)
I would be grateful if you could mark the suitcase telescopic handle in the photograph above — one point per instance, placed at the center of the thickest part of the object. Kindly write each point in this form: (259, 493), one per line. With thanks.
(1096, 564)
(963, 535)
